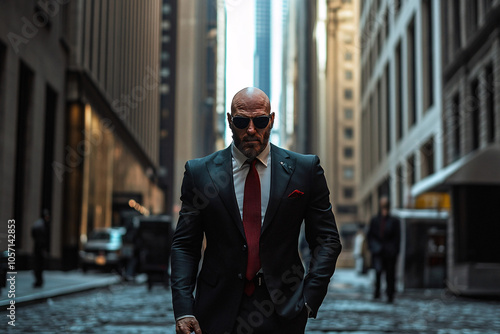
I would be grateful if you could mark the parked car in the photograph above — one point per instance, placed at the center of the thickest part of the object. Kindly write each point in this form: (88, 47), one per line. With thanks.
(103, 249)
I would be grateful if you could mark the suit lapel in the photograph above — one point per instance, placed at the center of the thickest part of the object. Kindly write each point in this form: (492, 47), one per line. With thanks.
(282, 168)
(221, 173)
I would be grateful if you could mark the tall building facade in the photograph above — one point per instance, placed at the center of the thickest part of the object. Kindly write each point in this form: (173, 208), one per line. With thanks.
(341, 157)
(430, 124)
(262, 59)
(168, 61)
(299, 96)
(200, 111)
(33, 60)
(401, 110)
(471, 143)
(320, 109)
(88, 82)
(401, 127)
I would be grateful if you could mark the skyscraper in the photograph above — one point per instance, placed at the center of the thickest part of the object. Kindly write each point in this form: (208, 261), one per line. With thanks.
(262, 76)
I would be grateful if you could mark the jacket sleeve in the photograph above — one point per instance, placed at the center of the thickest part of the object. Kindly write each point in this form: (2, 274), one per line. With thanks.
(323, 239)
(186, 248)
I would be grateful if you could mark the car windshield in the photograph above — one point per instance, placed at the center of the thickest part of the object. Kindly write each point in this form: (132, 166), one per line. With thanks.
(100, 235)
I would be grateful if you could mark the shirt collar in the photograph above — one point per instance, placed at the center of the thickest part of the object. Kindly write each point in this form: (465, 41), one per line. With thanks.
(240, 158)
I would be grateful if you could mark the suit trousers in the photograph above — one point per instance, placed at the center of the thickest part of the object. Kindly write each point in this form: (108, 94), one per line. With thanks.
(257, 316)
(388, 264)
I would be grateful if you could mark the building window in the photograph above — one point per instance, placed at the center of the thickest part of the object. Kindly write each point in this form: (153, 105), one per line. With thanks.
(490, 103)
(399, 92)
(347, 209)
(397, 6)
(348, 192)
(455, 111)
(427, 54)
(348, 94)
(26, 83)
(348, 56)
(48, 147)
(3, 53)
(427, 158)
(473, 15)
(348, 133)
(380, 115)
(387, 22)
(388, 129)
(167, 9)
(456, 25)
(400, 186)
(348, 152)
(348, 113)
(348, 172)
(348, 74)
(410, 164)
(474, 114)
(412, 108)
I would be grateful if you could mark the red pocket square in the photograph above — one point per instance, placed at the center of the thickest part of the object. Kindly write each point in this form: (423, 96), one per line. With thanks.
(296, 193)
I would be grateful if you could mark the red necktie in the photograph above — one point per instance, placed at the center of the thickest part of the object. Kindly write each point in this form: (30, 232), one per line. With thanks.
(252, 224)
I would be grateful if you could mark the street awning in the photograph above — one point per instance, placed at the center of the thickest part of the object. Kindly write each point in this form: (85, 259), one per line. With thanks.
(482, 168)
(478, 167)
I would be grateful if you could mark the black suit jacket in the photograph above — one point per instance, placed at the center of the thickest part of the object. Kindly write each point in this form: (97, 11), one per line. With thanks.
(209, 208)
(388, 243)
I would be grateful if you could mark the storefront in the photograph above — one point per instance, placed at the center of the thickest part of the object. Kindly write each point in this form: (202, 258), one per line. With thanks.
(422, 260)
(473, 259)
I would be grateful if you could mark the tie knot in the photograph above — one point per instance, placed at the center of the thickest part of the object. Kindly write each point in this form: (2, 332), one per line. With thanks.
(252, 163)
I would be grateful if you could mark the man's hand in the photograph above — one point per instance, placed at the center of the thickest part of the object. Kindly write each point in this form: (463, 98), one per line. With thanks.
(187, 325)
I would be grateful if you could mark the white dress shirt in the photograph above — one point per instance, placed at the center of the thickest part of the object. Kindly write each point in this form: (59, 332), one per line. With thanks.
(240, 172)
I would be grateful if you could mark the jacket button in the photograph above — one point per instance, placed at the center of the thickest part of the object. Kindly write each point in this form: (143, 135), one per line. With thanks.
(240, 276)
(244, 248)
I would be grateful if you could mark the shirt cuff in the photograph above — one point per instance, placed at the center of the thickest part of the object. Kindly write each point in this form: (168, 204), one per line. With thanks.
(309, 311)
(184, 316)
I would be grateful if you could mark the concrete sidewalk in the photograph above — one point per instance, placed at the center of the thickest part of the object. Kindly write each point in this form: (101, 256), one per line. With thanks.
(56, 283)
(347, 280)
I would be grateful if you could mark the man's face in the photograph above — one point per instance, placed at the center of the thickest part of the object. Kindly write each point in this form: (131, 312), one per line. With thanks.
(251, 103)
(384, 207)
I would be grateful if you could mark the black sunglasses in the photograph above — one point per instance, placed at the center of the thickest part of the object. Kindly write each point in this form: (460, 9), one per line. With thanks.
(242, 122)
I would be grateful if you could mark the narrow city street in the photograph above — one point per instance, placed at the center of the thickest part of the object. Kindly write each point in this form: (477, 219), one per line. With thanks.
(348, 308)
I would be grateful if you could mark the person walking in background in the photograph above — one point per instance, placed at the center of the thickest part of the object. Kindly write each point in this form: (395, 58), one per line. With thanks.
(40, 235)
(359, 241)
(249, 201)
(384, 236)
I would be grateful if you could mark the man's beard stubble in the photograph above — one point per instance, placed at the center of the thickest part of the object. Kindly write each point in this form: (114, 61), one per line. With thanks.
(251, 153)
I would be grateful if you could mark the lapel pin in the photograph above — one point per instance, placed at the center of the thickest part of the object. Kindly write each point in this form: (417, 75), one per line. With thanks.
(285, 166)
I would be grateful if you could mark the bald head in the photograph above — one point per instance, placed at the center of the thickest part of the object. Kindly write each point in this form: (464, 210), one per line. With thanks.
(250, 98)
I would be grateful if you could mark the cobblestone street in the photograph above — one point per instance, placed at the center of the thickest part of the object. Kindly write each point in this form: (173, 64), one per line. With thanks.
(348, 308)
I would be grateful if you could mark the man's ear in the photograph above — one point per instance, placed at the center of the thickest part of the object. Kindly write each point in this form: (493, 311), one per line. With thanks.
(229, 120)
(272, 120)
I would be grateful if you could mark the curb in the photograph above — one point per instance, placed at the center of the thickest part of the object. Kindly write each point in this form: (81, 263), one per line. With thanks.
(44, 295)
